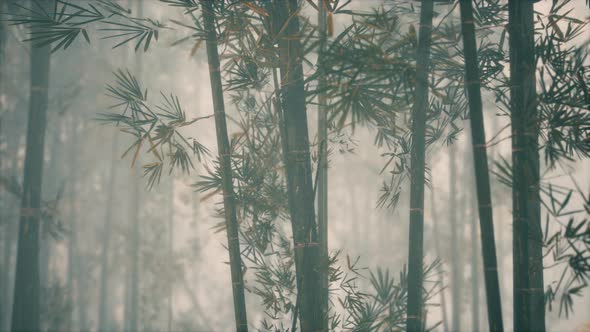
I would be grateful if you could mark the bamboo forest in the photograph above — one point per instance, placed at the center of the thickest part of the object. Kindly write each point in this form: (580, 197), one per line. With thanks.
(295, 165)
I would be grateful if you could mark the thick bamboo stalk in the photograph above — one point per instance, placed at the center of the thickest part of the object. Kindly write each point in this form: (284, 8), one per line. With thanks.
(25, 312)
(415, 309)
(229, 200)
(529, 312)
(322, 187)
(482, 178)
(298, 167)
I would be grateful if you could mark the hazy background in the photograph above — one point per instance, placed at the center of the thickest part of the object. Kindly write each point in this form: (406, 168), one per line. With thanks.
(196, 268)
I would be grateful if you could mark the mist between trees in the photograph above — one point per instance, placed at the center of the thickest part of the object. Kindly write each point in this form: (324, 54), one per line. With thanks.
(284, 165)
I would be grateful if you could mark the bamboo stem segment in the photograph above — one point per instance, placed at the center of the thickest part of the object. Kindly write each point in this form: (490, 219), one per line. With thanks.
(223, 148)
(482, 175)
(415, 319)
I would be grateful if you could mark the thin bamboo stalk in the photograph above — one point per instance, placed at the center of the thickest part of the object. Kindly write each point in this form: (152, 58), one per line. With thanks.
(103, 313)
(322, 189)
(229, 200)
(135, 236)
(437, 248)
(456, 261)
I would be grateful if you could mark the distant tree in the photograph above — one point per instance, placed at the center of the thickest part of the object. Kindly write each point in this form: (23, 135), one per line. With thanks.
(456, 257)
(135, 229)
(107, 233)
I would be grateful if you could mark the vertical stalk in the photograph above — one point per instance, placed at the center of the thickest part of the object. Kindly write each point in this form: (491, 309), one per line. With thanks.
(456, 264)
(135, 256)
(436, 236)
(11, 227)
(475, 320)
(4, 215)
(298, 167)
(170, 213)
(134, 252)
(229, 199)
(103, 312)
(126, 293)
(3, 35)
(82, 291)
(51, 186)
(415, 321)
(72, 216)
(482, 177)
(322, 189)
(4, 222)
(529, 309)
(25, 313)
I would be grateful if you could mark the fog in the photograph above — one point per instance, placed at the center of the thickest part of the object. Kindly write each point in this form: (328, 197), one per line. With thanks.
(114, 202)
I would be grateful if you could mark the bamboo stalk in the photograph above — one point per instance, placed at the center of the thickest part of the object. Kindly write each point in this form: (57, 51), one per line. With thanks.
(482, 177)
(26, 311)
(223, 147)
(456, 262)
(415, 321)
(4, 275)
(103, 313)
(322, 189)
(298, 167)
(529, 309)
(72, 215)
(440, 271)
(169, 304)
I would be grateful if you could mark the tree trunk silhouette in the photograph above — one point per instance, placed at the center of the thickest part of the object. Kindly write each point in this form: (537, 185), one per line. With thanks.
(440, 271)
(135, 252)
(475, 319)
(223, 147)
(414, 322)
(25, 312)
(50, 187)
(82, 275)
(4, 205)
(170, 202)
(72, 215)
(482, 177)
(298, 168)
(456, 261)
(529, 309)
(322, 186)
(103, 308)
